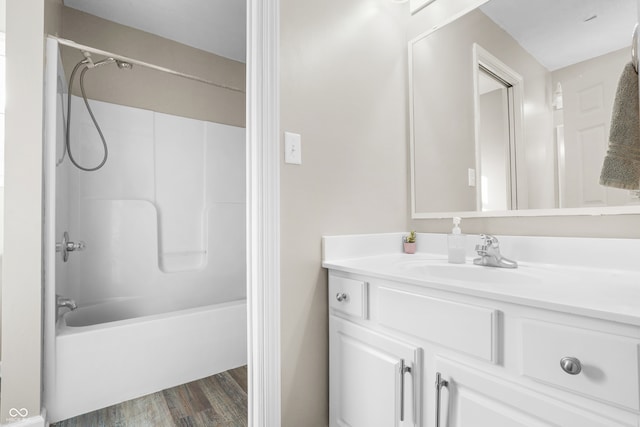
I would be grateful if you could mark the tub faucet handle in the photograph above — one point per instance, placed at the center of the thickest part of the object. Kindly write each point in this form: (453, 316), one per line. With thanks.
(67, 246)
(72, 246)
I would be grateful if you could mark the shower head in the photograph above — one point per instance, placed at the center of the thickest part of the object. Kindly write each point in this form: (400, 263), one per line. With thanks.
(91, 64)
(103, 62)
(123, 65)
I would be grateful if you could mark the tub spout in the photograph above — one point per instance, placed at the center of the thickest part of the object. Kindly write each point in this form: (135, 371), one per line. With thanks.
(63, 302)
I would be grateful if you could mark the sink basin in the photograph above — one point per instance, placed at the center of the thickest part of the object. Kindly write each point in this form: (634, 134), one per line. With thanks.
(440, 269)
(474, 273)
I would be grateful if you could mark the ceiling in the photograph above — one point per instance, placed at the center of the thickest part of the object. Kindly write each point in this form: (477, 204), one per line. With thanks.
(562, 32)
(556, 32)
(216, 26)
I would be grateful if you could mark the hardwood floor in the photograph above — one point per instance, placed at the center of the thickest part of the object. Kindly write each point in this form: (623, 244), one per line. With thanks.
(219, 400)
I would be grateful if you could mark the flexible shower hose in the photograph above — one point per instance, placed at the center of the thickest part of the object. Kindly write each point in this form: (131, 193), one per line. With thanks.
(95, 122)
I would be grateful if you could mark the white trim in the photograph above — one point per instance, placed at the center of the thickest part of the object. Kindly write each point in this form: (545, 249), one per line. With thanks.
(263, 212)
(516, 184)
(412, 148)
(52, 56)
(595, 211)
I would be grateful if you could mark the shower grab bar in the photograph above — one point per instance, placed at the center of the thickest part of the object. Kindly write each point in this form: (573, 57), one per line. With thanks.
(71, 43)
(634, 48)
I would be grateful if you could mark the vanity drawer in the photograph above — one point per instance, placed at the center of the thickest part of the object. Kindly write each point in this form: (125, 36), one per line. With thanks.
(467, 328)
(348, 296)
(609, 363)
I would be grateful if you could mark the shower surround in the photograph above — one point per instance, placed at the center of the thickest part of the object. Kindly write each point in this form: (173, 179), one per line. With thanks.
(161, 283)
(166, 212)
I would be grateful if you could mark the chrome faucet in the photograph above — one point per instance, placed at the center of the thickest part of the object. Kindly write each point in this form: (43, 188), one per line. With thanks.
(63, 302)
(489, 251)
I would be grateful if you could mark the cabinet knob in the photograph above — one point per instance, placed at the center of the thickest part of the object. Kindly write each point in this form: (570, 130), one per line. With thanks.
(341, 296)
(571, 365)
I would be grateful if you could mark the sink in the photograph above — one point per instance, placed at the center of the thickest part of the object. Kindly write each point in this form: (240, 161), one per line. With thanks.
(441, 269)
(474, 273)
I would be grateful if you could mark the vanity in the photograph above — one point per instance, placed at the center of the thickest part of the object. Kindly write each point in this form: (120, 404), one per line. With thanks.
(415, 341)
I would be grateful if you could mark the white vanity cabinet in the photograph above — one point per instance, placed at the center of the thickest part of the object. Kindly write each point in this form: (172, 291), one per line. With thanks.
(475, 398)
(504, 364)
(373, 378)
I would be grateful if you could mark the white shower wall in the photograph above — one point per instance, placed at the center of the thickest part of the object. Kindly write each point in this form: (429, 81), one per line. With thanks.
(165, 216)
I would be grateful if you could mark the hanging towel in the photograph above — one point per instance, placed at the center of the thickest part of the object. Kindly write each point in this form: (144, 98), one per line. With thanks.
(621, 167)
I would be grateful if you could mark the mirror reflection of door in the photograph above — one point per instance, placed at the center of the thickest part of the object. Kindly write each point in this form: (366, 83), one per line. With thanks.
(588, 92)
(496, 145)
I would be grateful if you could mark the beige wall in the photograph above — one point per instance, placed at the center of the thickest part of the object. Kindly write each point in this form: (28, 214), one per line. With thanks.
(343, 67)
(444, 127)
(343, 85)
(150, 89)
(53, 17)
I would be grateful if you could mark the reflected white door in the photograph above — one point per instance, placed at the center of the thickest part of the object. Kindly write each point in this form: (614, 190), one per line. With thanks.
(495, 112)
(587, 99)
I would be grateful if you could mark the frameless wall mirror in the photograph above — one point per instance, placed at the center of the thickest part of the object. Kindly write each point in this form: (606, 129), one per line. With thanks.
(511, 106)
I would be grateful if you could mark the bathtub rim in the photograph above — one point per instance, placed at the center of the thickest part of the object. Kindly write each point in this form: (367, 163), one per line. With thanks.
(62, 328)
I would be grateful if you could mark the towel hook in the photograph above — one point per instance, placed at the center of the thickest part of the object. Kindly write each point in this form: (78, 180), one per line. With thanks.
(634, 48)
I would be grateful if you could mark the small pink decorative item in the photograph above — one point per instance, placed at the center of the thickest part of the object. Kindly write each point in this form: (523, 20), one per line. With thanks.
(409, 243)
(409, 248)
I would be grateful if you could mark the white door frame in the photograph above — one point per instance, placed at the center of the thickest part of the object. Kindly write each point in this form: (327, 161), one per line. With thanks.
(263, 212)
(517, 184)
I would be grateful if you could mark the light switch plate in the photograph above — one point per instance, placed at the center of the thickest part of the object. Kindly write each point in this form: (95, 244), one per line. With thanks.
(292, 148)
(472, 177)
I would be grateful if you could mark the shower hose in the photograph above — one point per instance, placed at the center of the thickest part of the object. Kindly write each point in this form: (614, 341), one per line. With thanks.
(95, 122)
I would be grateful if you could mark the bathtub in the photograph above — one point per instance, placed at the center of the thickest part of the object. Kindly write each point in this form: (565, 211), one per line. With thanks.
(112, 352)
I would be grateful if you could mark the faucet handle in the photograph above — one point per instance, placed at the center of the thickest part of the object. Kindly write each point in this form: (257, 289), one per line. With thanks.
(481, 249)
(489, 241)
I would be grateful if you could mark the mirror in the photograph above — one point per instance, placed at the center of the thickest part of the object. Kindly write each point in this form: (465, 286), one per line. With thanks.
(510, 108)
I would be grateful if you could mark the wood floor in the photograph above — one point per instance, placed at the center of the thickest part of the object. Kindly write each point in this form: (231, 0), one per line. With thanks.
(219, 400)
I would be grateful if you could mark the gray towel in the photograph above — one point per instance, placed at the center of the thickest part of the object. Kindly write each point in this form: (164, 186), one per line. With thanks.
(621, 168)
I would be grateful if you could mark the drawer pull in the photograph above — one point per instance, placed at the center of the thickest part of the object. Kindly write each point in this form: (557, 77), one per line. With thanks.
(439, 384)
(571, 365)
(341, 296)
(403, 370)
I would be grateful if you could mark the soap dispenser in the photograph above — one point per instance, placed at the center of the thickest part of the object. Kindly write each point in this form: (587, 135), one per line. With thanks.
(456, 241)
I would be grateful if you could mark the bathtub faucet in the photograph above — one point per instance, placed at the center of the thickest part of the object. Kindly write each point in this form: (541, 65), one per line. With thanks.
(63, 302)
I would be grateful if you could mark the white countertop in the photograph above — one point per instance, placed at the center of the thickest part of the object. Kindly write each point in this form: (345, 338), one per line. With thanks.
(611, 293)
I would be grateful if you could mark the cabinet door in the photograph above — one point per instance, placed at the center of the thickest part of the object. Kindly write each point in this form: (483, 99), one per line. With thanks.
(374, 379)
(474, 398)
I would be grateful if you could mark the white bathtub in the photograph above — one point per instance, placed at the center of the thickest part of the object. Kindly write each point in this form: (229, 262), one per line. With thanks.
(113, 355)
